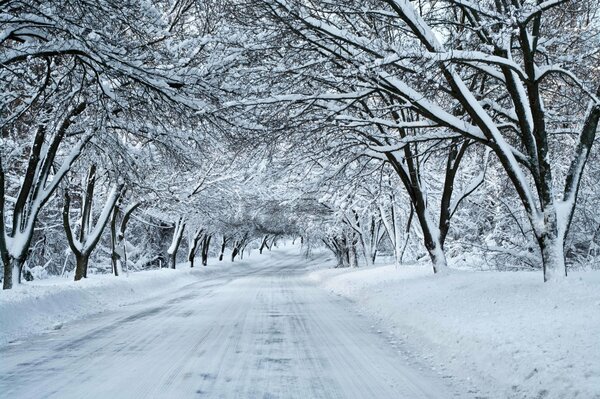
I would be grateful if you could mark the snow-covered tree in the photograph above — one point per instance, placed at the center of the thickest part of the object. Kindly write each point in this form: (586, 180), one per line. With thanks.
(510, 76)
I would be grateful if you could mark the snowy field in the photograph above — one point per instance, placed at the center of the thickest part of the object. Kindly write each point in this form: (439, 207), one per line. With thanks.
(503, 335)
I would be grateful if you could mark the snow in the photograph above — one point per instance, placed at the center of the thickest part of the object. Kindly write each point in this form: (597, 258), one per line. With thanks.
(38, 306)
(260, 323)
(34, 307)
(259, 330)
(508, 335)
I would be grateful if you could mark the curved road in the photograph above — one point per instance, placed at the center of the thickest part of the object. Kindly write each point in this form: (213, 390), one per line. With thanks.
(264, 332)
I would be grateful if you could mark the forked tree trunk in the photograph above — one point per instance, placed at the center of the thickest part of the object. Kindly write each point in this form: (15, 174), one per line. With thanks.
(89, 233)
(341, 249)
(41, 179)
(118, 253)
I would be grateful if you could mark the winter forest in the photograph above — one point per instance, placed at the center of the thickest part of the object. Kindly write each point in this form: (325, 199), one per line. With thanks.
(439, 137)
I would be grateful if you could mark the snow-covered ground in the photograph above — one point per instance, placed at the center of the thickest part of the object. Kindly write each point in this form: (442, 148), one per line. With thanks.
(45, 305)
(505, 335)
(260, 330)
(260, 326)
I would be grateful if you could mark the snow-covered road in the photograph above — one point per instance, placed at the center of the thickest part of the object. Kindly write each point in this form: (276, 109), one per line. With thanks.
(264, 332)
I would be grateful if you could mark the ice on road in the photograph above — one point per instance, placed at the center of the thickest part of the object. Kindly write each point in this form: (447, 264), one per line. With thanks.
(264, 332)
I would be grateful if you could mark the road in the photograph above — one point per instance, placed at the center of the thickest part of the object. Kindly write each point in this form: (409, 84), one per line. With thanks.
(264, 332)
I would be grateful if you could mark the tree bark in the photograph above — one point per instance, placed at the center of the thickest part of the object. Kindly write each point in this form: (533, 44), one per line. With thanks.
(114, 256)
(13, 269)
(263, 244)
(176, 242)
(194, 247)
(82, 266)
(223, 244)
(552, 249)
(205, 247)
(234, 253)
(119, 261)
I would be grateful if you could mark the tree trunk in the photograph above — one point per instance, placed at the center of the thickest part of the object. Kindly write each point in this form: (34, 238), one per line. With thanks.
(438, 259)
(431, 238)
(352, 255)
(223, 244)
(119, 252)
(435, 250)
(176, 242)
(552, 249)
(114, 256)
(263, 244)
(205, 247)
(81, 267)
(234, 253)
(13, 269)
(115, 264)
(553, 259)
(173, 260)
(193, 248)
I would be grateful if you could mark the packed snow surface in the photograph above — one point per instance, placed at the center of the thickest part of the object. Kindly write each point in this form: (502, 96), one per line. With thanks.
(502, 335)
(256, 330)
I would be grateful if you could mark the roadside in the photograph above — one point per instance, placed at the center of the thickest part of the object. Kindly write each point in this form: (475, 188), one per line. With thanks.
(505, 335)
(39, 306)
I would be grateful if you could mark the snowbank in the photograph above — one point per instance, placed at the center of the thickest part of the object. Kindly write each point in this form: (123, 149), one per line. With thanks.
(40, 305)
(36, 306)
(504, 335)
